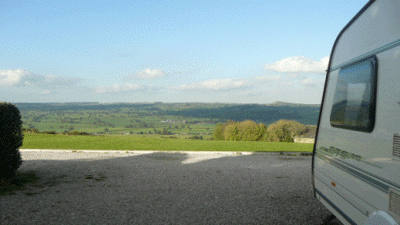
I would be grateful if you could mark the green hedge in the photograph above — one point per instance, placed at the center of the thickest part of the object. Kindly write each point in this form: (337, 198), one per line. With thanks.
(11, 138)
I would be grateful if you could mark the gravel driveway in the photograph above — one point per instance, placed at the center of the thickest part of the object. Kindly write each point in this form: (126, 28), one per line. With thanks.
(97, 187)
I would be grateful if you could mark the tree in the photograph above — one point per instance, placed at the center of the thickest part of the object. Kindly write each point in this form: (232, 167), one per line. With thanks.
(219, 132)
(231, 132)
(11, 138)
(251, 131)
(239, 131)
(284, 131)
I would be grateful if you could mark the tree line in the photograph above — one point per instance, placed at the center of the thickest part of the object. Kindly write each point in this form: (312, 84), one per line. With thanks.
(248, 130)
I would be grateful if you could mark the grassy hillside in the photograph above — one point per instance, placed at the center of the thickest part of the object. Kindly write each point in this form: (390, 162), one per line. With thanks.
(176, 118)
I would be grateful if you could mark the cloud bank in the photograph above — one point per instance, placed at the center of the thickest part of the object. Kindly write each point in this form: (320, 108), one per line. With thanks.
(235, 84)
(116, 88)
(214, 84)
(20, 77)
(297, 64)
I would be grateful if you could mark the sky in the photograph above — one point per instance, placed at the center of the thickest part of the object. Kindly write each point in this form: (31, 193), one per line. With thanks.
(168, 51)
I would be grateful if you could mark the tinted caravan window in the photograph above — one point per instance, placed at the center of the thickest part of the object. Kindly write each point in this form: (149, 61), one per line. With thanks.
(354, 99)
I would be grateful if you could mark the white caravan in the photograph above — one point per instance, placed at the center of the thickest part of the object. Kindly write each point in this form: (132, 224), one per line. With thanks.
(356, 158)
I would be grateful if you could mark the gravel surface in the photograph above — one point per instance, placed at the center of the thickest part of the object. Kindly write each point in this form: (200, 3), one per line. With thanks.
(118, 187)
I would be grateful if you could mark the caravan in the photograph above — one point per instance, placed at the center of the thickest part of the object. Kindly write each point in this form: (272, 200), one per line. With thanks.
(356, 158)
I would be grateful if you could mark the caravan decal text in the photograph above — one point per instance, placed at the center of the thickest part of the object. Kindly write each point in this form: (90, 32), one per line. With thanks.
(341, 153)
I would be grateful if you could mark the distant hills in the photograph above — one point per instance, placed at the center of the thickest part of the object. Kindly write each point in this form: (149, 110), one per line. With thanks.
(264, 113)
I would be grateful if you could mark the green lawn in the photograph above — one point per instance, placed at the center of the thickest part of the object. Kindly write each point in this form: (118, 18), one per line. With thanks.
(153, 142)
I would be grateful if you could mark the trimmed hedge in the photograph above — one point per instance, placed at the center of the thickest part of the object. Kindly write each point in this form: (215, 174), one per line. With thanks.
(11, 138)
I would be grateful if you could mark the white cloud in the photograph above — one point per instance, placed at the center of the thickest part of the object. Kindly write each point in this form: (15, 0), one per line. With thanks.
(116, 88)
(20, 77)
(214, 84)
(12, 77)
(298, 64)
(286, 83)
(46, 92)
(148, 74)
(309, 82)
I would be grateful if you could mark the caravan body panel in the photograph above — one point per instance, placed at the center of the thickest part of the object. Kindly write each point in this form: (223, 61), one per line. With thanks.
(356, 159)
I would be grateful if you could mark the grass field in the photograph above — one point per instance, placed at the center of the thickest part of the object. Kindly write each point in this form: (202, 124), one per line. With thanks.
(147, 118)
(153, 142)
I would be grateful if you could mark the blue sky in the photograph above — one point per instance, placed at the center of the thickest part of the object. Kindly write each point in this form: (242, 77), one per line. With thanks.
(170, 51)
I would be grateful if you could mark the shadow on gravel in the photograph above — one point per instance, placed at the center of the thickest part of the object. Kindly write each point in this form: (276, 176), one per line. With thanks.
(18, 182)
(165, 188)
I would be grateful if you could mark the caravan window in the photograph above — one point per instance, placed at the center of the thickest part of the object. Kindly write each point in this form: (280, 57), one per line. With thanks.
(354, 99)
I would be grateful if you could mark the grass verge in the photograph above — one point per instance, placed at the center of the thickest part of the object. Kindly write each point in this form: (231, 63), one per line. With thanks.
(153, 142)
